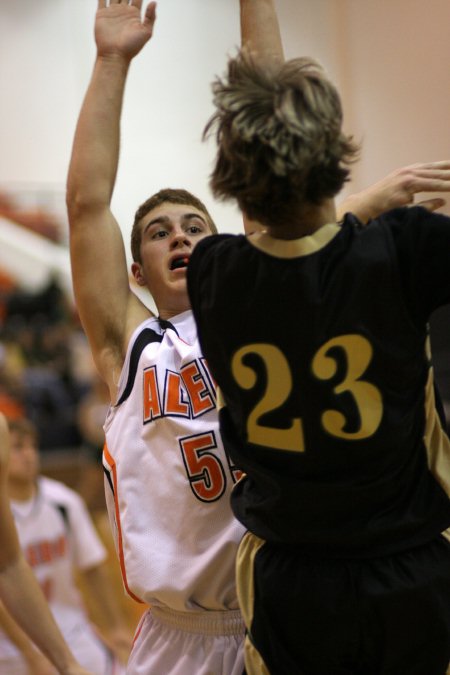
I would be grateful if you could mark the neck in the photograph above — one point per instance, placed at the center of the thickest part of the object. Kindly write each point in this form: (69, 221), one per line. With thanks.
(310, 219)
(175, 305)
(21, 492)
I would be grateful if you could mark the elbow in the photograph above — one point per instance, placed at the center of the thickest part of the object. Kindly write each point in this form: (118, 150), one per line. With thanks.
(76, 202)
(82, 202)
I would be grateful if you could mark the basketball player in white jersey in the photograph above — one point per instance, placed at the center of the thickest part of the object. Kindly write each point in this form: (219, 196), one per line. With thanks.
(58, 540)
(168, 479)
(20, 591)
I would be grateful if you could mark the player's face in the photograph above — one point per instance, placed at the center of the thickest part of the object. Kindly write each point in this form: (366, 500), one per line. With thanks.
(170, 233)
(24, 458)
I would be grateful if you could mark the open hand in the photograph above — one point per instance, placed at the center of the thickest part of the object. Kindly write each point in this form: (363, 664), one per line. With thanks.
(119, 29)
(399, 189)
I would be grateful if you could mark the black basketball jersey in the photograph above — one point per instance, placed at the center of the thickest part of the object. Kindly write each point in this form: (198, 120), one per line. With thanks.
(320, 349)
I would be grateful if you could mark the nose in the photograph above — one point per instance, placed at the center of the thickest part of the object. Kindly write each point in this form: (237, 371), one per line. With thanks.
(29, 450)
(179, 239)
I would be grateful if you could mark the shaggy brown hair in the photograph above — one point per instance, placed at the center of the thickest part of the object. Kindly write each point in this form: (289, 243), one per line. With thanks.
(172, 196)
(279, 136)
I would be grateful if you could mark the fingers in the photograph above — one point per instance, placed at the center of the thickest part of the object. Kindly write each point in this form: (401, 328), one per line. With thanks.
(442, 164)
(432, 171)
(433, 183)
(443, 174)
(150, 14)
(430, 177)
(432, 204)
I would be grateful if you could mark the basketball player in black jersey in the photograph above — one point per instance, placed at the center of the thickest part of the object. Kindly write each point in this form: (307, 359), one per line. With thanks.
(317, 335)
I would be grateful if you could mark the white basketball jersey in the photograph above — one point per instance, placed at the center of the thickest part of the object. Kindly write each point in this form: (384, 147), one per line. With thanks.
(57, 536)
(168, 479)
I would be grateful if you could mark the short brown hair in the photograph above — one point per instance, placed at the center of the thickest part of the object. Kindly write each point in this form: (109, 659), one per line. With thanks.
(172, 196)
(23, 427)
(279, 136)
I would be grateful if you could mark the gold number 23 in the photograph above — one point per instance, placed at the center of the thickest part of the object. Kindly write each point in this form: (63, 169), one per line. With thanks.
(367, 397)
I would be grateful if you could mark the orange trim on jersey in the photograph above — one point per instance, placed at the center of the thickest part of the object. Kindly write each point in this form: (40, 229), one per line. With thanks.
(138, 630)
(112, 464)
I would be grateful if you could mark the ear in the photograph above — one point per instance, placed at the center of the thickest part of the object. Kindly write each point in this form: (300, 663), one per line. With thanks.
(251, 226)
(138, 274)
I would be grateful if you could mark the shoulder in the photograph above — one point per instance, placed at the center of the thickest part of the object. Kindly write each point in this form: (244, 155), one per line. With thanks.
(410, 231)
(204, 261)
(412, 221)
(215, 241)
(112, 338)
(54, 490)
(149, 323)
(208, 249)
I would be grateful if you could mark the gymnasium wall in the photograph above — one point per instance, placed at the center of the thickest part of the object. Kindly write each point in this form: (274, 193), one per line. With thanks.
(390, 59)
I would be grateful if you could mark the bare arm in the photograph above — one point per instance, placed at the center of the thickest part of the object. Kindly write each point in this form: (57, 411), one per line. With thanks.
(260, 34)
(398, 189)
(37, 664)
(260, 30)
(19, 589)
(22, 596)
(109, 311)
(98, 585)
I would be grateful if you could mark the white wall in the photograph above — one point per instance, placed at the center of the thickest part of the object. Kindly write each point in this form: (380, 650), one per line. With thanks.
(396, 64)
(46, 55)
(390, 58)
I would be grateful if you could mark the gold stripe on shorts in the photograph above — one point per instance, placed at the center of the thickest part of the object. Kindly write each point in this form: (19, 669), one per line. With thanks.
(245, 562)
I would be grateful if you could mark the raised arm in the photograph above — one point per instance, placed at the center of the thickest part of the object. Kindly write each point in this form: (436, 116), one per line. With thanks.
(260, 35)
(399, 189)
(19, 589)
(260, 30)
(109, 311)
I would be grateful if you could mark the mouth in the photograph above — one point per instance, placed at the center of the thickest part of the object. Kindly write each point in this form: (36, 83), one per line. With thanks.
(181, 262)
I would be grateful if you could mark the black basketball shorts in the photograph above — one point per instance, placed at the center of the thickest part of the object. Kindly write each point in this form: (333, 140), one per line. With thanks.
(382, 616)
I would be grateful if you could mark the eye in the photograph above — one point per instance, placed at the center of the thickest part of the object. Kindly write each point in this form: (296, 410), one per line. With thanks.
(195, 229)
(160, 234)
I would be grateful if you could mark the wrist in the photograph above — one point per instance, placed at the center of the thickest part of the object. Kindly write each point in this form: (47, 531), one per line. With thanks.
(114, 59)
(360, 204)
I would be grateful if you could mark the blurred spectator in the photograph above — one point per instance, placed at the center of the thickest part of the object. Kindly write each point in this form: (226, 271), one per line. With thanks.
(12, 395)
(58, 538)
(40, 326)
